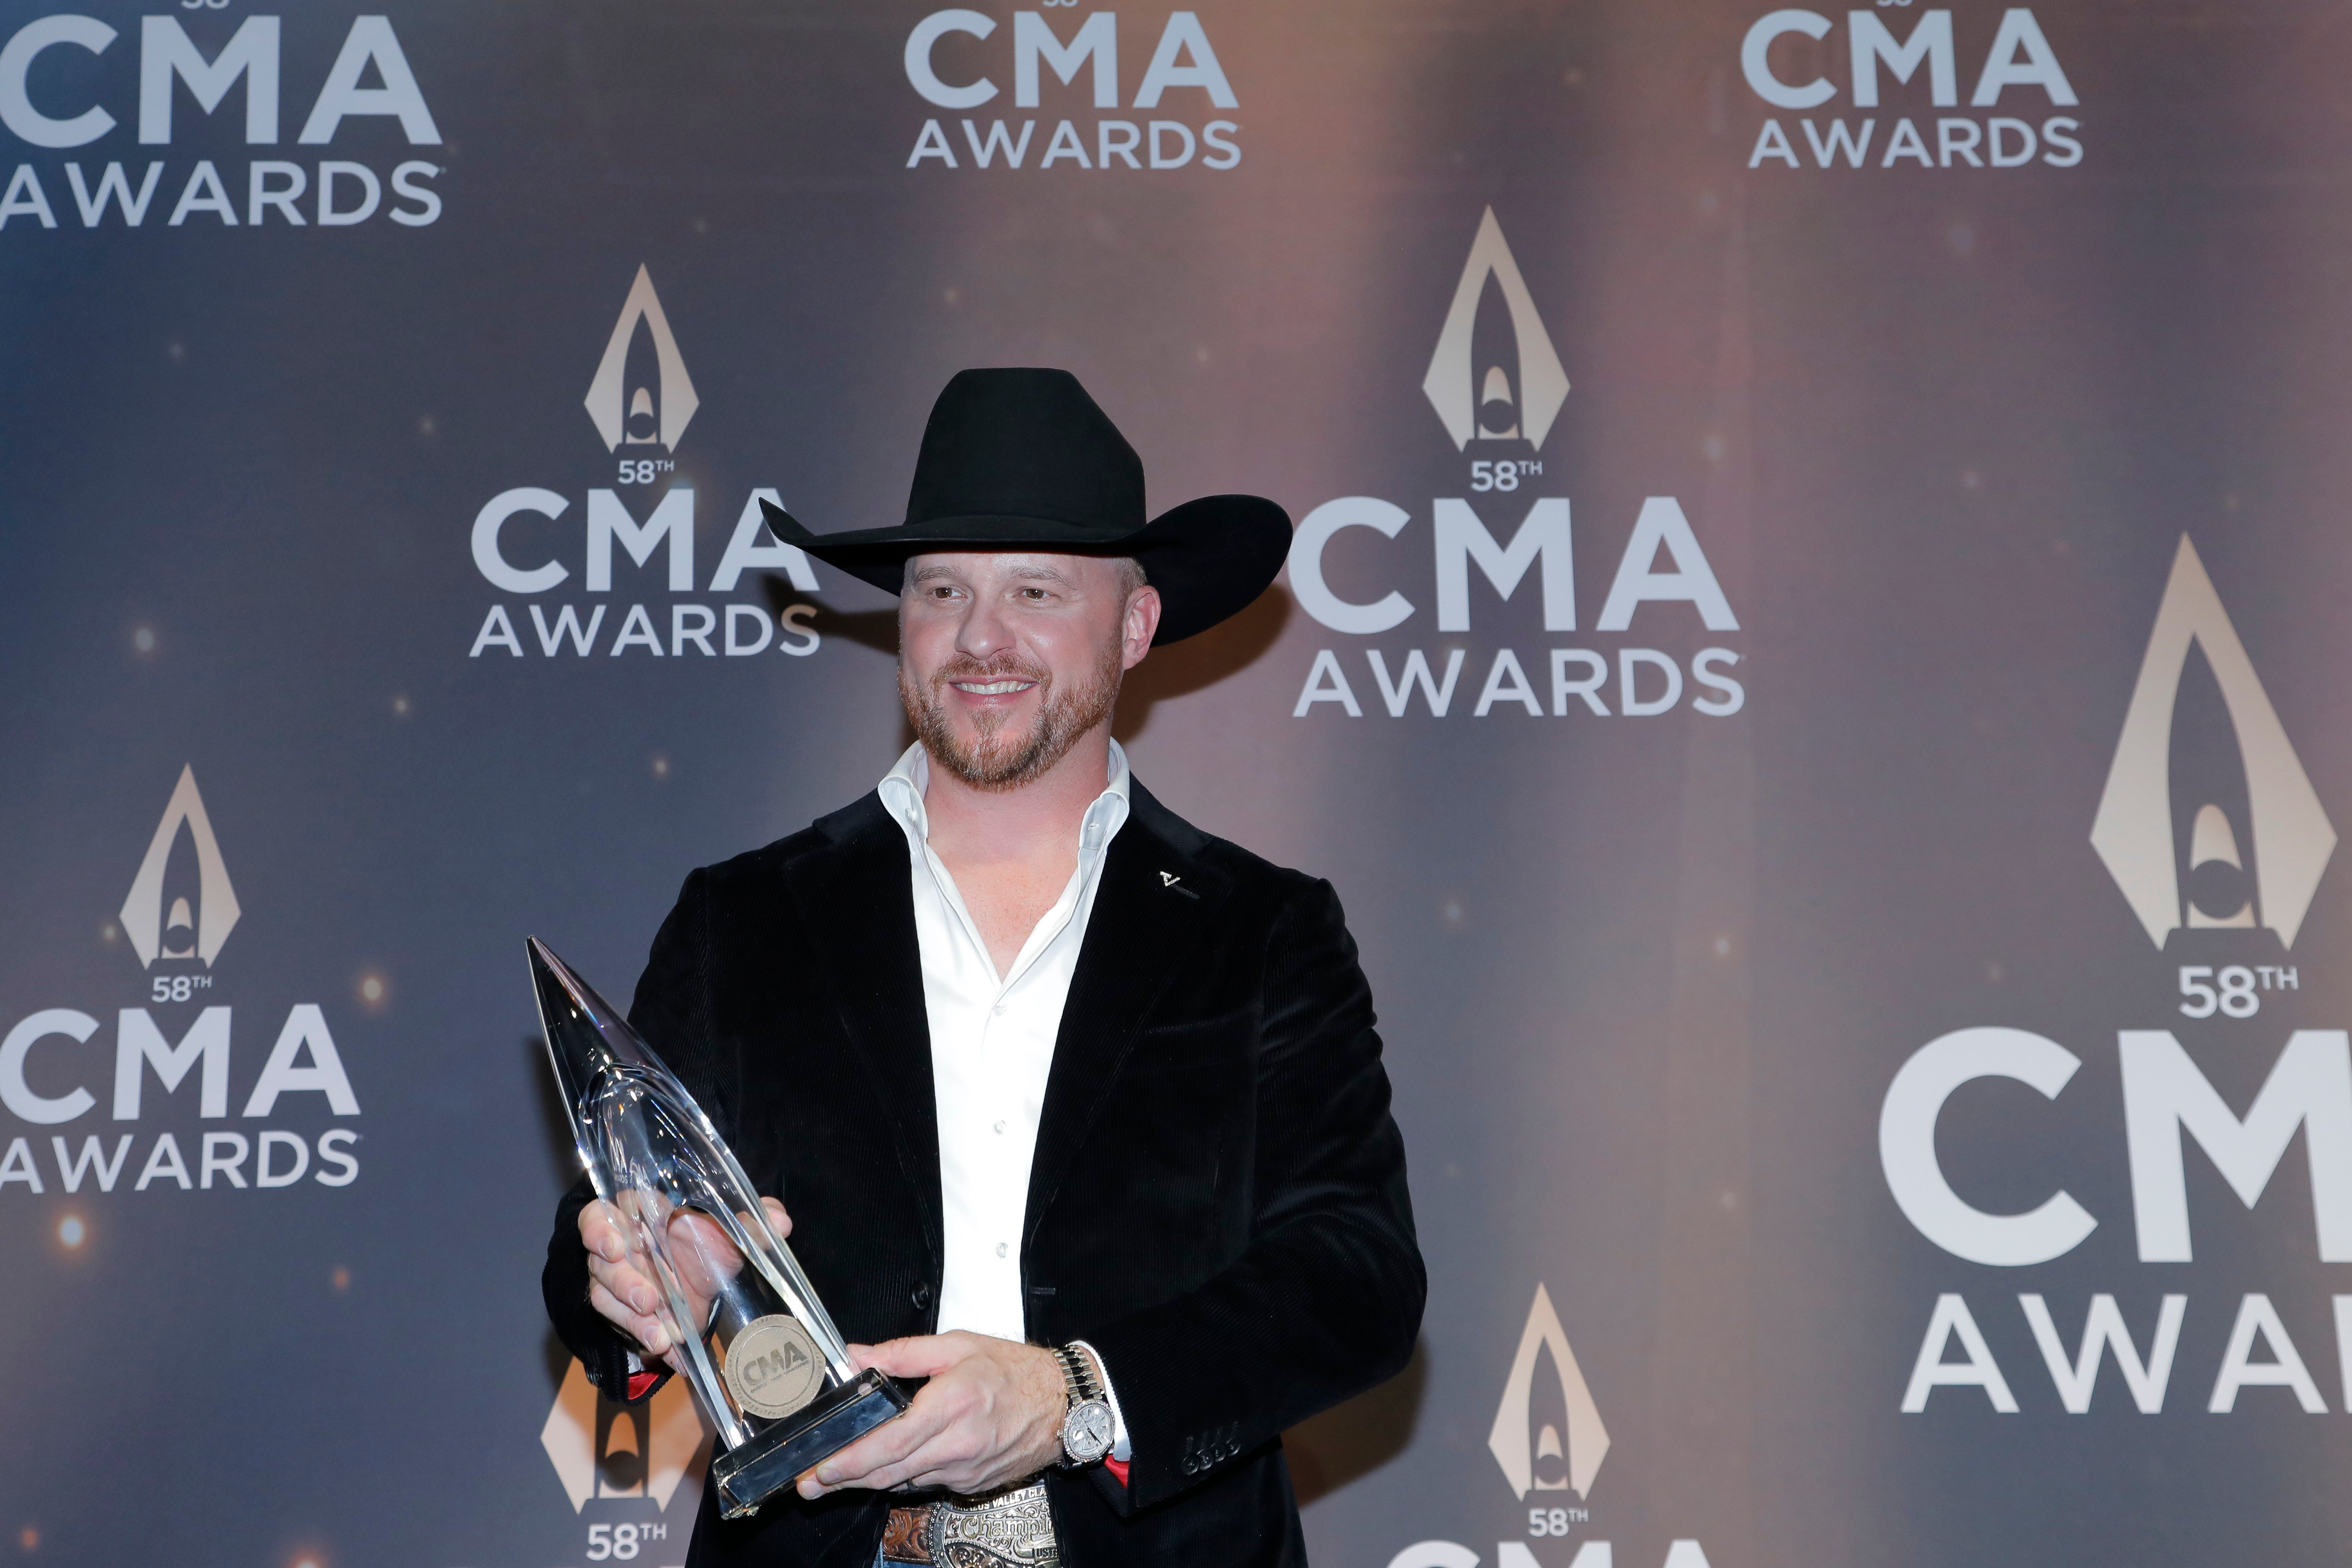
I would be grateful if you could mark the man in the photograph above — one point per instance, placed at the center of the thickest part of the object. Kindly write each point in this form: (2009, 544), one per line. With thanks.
(1078, 1111)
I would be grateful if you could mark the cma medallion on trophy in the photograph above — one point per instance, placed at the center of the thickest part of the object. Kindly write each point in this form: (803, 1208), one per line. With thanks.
(764, 1361)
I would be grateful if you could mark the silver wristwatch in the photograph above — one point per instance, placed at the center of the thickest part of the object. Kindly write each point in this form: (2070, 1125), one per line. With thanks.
(1088, 1428)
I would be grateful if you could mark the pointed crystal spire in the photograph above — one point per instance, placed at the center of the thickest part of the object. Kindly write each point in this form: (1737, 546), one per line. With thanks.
(587, 1037)
(596, 1053)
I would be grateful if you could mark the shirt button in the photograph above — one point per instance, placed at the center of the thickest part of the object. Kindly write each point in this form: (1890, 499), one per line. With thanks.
(1000, 1127)
(1000, 1249)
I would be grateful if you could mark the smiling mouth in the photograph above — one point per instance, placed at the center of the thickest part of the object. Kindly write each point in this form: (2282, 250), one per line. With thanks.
(992, 687)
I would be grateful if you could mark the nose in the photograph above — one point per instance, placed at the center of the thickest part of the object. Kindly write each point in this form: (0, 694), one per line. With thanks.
(984, 630)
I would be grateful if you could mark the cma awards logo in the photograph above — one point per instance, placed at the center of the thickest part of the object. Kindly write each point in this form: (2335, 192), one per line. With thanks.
(169, 1117)
(1495, 375)
(601, 1449)
(180, 931)
(2213, 834)
(2256, 837)
(219, 168)
(1497, 386)
(640, 399)
(1548, 1438)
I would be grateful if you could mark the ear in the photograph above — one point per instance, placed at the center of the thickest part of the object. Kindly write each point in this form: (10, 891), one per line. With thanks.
(1139, 626)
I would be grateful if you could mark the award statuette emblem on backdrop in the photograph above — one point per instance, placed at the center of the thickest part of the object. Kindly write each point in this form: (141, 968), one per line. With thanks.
(764, 1361)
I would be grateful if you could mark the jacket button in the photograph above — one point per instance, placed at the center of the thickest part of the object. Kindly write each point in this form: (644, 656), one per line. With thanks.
(922, 1297)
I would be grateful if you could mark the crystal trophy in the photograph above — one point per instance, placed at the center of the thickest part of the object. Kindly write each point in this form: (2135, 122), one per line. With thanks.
(764, 1361)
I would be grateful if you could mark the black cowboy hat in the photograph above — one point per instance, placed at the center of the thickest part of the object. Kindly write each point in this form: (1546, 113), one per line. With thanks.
(1024, 459)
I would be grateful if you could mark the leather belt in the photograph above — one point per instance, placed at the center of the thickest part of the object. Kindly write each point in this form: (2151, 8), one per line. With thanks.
(1011, 1528)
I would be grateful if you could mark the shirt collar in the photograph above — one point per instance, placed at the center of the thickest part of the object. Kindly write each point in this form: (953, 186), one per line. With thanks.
(903, 787)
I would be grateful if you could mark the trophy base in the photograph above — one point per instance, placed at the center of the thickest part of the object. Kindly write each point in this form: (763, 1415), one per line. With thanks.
(776, 1458)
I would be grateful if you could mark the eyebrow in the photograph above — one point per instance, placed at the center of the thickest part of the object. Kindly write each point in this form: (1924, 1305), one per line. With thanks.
(1032, 572)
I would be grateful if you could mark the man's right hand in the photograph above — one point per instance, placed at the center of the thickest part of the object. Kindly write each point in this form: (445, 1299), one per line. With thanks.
(621, 1283)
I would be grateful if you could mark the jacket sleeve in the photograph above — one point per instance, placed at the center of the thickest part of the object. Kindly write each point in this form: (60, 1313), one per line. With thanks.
(671, 1011)
(1326, 1299)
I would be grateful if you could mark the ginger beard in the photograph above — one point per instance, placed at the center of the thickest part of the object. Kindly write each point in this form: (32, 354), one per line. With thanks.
(1001, 757)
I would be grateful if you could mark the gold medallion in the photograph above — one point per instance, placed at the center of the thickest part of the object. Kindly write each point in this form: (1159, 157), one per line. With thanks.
(772, 1367)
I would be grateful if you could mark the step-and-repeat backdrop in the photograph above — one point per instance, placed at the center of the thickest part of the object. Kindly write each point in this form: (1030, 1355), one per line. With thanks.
(1812, 654)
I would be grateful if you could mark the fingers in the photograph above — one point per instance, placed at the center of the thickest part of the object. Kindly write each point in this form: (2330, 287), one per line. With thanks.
(618, 1291)
(626, 1283)
(601, 1233)
(622, 1288)
(955, 1456)
(885, 1455)
(702, 1253)
(922, 1469)
(642, 1327)
(777, 1218)
(922, 1355)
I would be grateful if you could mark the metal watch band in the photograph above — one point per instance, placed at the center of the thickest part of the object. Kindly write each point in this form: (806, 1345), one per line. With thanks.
(1078, 1368)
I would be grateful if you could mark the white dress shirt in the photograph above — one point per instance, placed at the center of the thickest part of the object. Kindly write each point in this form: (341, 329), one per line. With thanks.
(991, 1049)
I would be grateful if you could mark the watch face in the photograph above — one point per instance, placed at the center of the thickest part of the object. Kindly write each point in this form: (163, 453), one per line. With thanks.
(1086, 1432)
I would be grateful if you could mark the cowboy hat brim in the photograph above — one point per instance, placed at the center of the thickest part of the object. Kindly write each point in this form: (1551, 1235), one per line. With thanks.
(1209, 559)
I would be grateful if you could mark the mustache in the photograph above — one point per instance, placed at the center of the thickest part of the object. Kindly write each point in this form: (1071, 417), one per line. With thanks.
(1008, 665)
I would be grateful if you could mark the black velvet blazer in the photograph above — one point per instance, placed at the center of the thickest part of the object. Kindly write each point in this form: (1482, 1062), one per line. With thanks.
(1218, 1197)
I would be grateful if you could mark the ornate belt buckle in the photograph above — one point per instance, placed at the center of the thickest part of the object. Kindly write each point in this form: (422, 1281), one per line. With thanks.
(1012, 1530)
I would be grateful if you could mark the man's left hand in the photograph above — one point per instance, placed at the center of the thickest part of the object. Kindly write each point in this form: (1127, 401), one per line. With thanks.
(992, 1414)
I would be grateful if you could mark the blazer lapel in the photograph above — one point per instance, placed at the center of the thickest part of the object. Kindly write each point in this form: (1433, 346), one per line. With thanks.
(854, 900)
(1155, 902)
